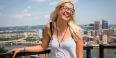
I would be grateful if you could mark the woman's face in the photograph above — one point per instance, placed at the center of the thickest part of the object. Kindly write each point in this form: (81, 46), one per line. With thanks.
(66, 11)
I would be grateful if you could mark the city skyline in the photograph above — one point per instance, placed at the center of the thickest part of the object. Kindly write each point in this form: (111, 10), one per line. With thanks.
(36, 12)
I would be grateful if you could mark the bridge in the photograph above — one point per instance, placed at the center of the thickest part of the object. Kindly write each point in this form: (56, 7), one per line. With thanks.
(19, 42)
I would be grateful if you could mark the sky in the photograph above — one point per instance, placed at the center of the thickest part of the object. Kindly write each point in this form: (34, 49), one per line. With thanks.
(37, 12)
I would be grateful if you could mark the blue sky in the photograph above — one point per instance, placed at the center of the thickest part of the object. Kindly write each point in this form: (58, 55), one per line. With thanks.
(36, 12)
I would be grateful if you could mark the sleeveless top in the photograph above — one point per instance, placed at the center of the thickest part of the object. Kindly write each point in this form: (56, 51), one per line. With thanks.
(67, 48)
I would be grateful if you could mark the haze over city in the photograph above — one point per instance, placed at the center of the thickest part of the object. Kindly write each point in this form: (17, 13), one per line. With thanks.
(37, 12)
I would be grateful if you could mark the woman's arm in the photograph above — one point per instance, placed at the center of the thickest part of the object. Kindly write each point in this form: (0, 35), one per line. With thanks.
(45, 42)
(37, 48)
(79, 48)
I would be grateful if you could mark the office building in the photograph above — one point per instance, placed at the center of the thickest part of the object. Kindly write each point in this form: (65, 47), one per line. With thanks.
(105, 38)
(108, 32)
(96, 25)
(92, 33)
(104, 24)
(87, 28)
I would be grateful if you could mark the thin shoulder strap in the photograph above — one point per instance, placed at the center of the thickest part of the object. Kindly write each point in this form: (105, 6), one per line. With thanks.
(51, 28)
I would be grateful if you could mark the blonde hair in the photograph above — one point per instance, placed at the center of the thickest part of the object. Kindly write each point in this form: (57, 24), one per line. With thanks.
(76, 31)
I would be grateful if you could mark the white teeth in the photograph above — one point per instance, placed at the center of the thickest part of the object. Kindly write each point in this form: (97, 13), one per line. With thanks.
(66, 15)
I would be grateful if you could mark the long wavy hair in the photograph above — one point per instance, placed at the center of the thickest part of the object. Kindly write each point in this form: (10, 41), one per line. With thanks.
(76, 31)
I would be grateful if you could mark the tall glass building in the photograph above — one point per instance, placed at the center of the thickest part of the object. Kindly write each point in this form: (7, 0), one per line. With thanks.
(104, 24)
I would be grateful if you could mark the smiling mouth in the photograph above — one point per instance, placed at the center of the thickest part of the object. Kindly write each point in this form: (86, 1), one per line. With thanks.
(66, 14)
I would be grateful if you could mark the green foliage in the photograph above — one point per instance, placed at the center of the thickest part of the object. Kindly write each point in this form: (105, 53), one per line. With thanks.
(31, 39)
(2, 50)
(18, 57)
(4, 39)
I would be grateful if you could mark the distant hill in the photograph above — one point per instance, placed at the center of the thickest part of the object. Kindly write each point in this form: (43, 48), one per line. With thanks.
(22, 27)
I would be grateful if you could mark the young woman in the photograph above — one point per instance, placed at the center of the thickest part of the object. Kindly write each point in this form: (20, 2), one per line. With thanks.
(66, 41)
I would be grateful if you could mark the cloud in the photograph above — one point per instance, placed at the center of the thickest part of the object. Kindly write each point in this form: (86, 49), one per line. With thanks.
(1, 7)
(0, 14)
(23, 14)
(25, 10)
(29, 7)
(47, 16)
(53, 3)
(37, 0)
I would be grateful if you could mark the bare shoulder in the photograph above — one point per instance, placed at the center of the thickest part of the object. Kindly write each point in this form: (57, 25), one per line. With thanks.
(47, 29)
(47, 26)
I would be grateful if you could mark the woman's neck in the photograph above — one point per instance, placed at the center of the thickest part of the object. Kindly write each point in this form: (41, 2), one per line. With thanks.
(61, 24)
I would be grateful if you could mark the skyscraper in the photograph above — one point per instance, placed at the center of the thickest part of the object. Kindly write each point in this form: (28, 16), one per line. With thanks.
(104, 24)
(96, 25)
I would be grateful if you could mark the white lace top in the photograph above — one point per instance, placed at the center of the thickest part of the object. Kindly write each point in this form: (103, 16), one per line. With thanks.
(67, 48)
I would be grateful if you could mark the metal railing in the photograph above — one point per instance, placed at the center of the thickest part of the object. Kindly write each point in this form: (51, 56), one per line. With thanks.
(9, 55)
(102, 47)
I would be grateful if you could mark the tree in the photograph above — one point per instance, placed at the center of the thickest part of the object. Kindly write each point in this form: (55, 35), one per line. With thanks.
(2, 50)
